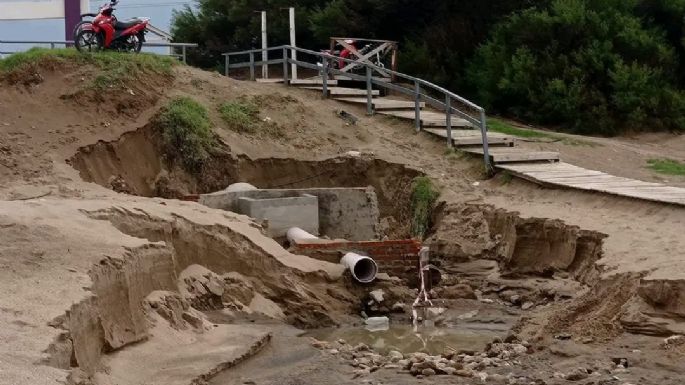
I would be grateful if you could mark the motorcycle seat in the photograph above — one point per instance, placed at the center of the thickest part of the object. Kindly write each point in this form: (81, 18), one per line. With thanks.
(126, 24)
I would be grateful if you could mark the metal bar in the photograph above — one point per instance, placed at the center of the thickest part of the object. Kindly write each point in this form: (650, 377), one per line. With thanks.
(52, 45)
(369, 92)
(417, 106)
(257, 63)
(291, 17)
(286, 81)
(324, 78)
(184, 54)
(486, 149)
(448, 120)
(228, 61)
(362, 39)
(252, 66)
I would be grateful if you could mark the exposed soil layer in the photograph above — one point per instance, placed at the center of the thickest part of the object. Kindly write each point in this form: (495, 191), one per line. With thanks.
(136, 164)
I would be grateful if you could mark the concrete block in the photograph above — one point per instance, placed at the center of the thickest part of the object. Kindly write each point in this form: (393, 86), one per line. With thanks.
(283, 212)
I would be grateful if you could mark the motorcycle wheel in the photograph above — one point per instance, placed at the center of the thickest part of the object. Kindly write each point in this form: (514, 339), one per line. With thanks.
(139, 43)
(87, 41)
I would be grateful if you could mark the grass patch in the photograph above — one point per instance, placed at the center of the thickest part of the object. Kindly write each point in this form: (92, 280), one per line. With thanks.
(667, 166)
(240, 116)
(503, 127)
(187, 132)
(423, 197)
(119, 68)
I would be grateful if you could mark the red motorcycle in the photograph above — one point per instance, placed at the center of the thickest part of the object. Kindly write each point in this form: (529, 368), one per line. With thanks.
(106, 32)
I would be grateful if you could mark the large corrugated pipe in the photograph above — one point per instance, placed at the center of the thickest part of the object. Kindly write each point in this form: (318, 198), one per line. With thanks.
(363, 268)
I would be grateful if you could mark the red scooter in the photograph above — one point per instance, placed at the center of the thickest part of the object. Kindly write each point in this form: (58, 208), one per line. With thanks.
(106, 32)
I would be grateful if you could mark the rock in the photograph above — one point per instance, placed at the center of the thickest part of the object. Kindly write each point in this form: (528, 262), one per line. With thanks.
(497, 379)
(434, 312)
(333, 351)
(464, 373)
(341, 341)
(519, 349)
(377, 295)
(193, 319)
(459, 291)
(318, 344)
(405, 364)
(587, 340)
(418, 357)
(392, 366)
(563, 336)
(675, 340)
(428, 372)
(360, 372)
(577, 374)
(448, 370)
(620, 361)
(487, 300)
(361, 348)
(482, 375)
(395, 356)
(398, 307)
(527, 305)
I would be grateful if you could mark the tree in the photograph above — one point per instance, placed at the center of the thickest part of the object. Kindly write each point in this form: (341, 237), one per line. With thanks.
(592, 66)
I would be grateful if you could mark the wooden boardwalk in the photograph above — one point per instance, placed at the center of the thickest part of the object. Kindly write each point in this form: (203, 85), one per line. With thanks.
(542, 167)
(562, 174)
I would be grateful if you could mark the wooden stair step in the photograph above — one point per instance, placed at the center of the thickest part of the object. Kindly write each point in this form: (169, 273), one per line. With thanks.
(472, 137)
(384, 103)
(343, 91)
(429, 118)
(507, 155)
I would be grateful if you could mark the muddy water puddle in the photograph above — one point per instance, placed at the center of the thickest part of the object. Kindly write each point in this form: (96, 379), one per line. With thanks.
(407, 339)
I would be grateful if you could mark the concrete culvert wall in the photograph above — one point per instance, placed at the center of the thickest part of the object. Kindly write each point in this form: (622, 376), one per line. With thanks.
(136, 164)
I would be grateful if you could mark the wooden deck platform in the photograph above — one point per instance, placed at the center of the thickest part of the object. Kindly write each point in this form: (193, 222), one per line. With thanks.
(562, 174)
(299, 82)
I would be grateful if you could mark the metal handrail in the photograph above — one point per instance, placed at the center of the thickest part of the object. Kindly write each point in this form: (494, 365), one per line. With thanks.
(419, 95)
(53, 43)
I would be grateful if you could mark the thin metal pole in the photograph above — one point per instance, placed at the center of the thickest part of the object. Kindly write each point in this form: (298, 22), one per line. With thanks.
(417, 106)
(325, 77)
(227, 64)
(448, 120)
(265, 67)
(184, 55)
(52, 45)
(484, 135)
(285, 66)
(252, 66)
(293, 54)
(369, 92)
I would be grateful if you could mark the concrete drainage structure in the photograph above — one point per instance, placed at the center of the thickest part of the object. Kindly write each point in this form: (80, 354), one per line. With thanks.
(349, 213)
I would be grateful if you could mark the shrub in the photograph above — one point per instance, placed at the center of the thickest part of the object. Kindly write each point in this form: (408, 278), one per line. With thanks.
(423, 197)
(187, 132)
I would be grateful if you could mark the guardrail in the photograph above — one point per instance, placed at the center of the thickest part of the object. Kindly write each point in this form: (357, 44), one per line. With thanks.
(420, 90)
(66, 43)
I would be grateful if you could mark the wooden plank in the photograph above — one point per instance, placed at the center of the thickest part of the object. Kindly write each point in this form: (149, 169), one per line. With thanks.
(269, 80)
(428, 118)
(308, 82)
(528, 167)
(342, 91)
(472, 137)
(505, 155)
(383, 103)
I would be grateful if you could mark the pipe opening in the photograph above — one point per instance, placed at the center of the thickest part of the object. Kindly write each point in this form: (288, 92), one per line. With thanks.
(365, 270)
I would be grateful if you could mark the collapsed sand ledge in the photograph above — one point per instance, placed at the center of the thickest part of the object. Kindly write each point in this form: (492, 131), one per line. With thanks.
(118, 271)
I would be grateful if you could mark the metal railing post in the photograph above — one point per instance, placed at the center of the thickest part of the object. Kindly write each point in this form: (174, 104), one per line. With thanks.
(252, 66)
(486, 149)
(183, 50)
(52, 45)
(448, 119)
(324, 77)
(228, 63)
(417, 106)
(369, 92)
(286, 80)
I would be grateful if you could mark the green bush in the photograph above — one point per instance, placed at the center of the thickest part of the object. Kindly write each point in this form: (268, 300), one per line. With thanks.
(187, 132)
(423, 197)
(590, 66)
(240, 116)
